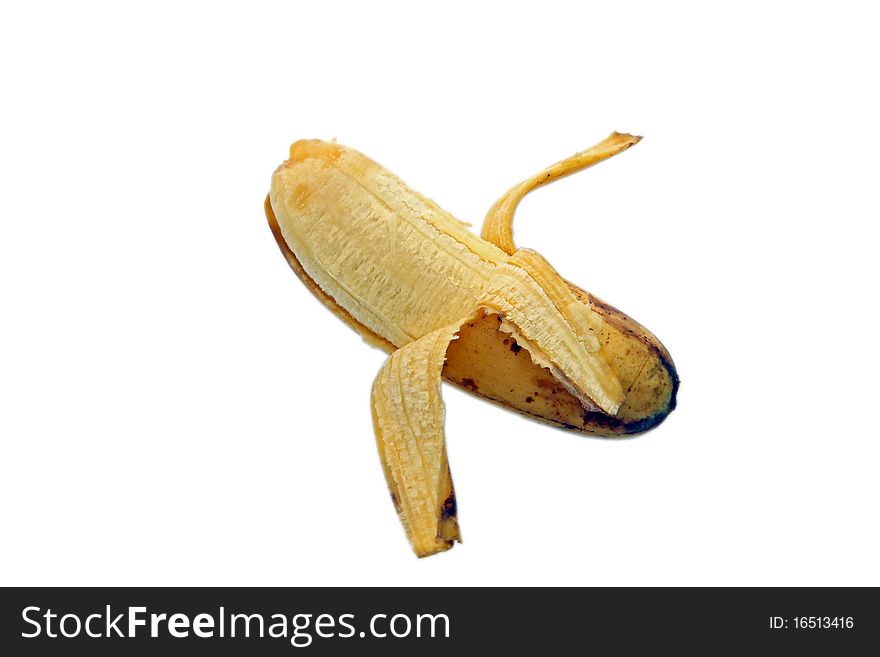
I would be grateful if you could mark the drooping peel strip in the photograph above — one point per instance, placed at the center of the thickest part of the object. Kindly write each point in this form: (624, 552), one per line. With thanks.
(498, 224)
(408, 417)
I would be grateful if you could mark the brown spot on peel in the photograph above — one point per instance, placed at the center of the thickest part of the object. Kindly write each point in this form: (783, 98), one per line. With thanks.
(470, 384)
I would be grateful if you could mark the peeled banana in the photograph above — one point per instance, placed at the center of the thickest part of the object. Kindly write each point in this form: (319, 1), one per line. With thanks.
(497, 320)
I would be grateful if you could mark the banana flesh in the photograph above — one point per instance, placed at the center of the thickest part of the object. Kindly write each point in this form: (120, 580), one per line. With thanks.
(496, 320)
(396, 263)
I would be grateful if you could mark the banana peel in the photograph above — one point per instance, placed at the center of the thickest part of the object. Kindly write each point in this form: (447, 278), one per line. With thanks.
(477, 311)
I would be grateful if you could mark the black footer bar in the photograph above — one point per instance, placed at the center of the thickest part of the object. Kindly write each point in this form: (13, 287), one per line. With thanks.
(253, 621)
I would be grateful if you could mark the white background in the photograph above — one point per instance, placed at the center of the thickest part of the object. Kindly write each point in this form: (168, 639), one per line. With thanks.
(177, 409)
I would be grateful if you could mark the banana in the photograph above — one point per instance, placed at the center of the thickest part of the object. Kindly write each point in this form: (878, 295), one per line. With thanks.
(494, 319)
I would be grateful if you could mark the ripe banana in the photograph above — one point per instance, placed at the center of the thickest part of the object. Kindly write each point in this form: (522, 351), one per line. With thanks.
(496, 320)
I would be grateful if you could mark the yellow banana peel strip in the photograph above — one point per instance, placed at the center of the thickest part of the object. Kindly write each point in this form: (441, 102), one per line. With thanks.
(408, 417)
(498, 224)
